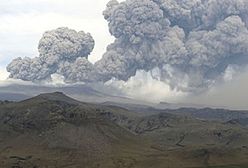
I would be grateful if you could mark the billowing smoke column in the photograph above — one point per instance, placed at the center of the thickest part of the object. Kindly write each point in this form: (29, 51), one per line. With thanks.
(80, 70)
(189, 44)
(58, 48)
(29, 69)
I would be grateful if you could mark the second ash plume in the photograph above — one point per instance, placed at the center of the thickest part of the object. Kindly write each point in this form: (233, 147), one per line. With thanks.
(57, 48)
(190, 44)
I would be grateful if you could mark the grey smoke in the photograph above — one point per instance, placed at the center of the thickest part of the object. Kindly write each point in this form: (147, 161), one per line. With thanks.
(29, 69)
(190, 44)
(58, 47)
(65, 44)
(80, 70)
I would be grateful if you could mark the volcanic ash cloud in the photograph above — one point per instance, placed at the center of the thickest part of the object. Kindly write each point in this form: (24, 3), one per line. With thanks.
(57, 48)
(191, 44)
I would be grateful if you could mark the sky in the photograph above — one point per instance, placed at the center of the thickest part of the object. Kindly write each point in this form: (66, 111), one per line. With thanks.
(24, 21)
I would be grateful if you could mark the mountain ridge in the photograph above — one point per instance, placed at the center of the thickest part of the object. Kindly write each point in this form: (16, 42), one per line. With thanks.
(69, 133)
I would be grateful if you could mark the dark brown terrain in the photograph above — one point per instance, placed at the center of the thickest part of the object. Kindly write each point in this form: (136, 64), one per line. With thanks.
(56, 131)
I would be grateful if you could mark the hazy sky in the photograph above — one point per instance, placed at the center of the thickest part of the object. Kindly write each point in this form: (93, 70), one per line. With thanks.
(24, 21)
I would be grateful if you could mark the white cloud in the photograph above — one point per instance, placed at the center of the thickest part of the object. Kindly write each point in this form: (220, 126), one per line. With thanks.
(143, 87)
(3, 74)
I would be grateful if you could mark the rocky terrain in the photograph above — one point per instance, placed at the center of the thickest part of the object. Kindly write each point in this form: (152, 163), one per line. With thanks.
(54, 130)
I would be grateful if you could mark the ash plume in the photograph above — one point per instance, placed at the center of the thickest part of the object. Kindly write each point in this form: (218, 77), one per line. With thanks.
(29, 69)
(190, 44)
(58, 47)
(78, 71)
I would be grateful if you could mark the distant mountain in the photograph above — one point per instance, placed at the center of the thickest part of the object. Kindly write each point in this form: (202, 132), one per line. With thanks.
(36, 89)
(80, 92)
(240, 121)
(54, 130)
(212, 114)
(12, 96)
(86, 93)
(166, 105)
(56, 96)
(222, 115)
